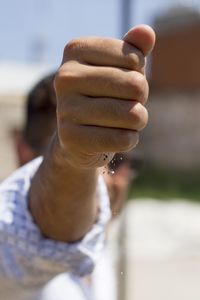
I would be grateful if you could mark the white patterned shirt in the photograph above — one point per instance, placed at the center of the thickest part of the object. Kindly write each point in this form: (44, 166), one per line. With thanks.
(27, 259)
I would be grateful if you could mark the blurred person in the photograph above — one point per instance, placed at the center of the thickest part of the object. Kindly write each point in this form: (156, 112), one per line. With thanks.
(54, 210)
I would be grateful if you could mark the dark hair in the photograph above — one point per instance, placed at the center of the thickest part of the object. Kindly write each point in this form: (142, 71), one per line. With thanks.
(40, 114)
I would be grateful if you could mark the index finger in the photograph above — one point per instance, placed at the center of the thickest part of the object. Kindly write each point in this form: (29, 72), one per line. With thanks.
(105, 52)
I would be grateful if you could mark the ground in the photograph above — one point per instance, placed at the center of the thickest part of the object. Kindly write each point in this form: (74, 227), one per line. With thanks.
(160, 251)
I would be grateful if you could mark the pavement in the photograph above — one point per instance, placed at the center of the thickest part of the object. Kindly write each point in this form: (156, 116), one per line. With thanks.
(159, 251)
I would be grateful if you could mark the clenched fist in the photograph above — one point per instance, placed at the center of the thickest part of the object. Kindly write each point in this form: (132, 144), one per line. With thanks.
(101, 92)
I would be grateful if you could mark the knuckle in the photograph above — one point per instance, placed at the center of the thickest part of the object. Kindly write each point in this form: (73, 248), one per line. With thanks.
(139, 115)
(66, 77)
(128, 140)
(136, 60)
(71, 47)
(139, 87)
(75, 48)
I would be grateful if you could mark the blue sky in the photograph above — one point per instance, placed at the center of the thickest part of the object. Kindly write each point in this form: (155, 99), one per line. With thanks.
(32, 30)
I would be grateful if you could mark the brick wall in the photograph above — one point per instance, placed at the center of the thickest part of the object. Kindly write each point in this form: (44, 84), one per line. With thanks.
(175, 60)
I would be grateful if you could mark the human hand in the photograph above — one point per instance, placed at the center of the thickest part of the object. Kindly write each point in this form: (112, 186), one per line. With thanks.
(101, 92)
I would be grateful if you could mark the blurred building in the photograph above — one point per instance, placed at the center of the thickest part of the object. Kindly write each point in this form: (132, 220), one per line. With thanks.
(172, 137)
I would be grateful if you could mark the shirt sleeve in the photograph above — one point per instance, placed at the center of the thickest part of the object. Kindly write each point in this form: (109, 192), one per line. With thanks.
(28, 257)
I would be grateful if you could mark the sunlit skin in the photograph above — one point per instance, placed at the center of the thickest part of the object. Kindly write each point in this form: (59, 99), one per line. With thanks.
(101, 93)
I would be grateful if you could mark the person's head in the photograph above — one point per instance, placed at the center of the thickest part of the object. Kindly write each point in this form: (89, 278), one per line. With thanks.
(40, 120)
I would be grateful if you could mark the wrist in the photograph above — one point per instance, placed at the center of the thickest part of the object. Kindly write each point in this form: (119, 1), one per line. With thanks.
(78, 159)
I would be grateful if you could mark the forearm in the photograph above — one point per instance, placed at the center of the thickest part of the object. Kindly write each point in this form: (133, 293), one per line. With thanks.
(63, 198)
(30, 258)
(96, 117)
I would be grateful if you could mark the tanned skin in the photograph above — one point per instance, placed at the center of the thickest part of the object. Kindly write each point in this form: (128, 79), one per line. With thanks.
(101, 93)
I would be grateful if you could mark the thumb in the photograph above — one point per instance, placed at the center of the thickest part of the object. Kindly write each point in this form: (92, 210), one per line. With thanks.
(142, 37)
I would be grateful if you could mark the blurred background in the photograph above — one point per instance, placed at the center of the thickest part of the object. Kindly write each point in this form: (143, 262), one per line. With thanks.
(164, 240)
